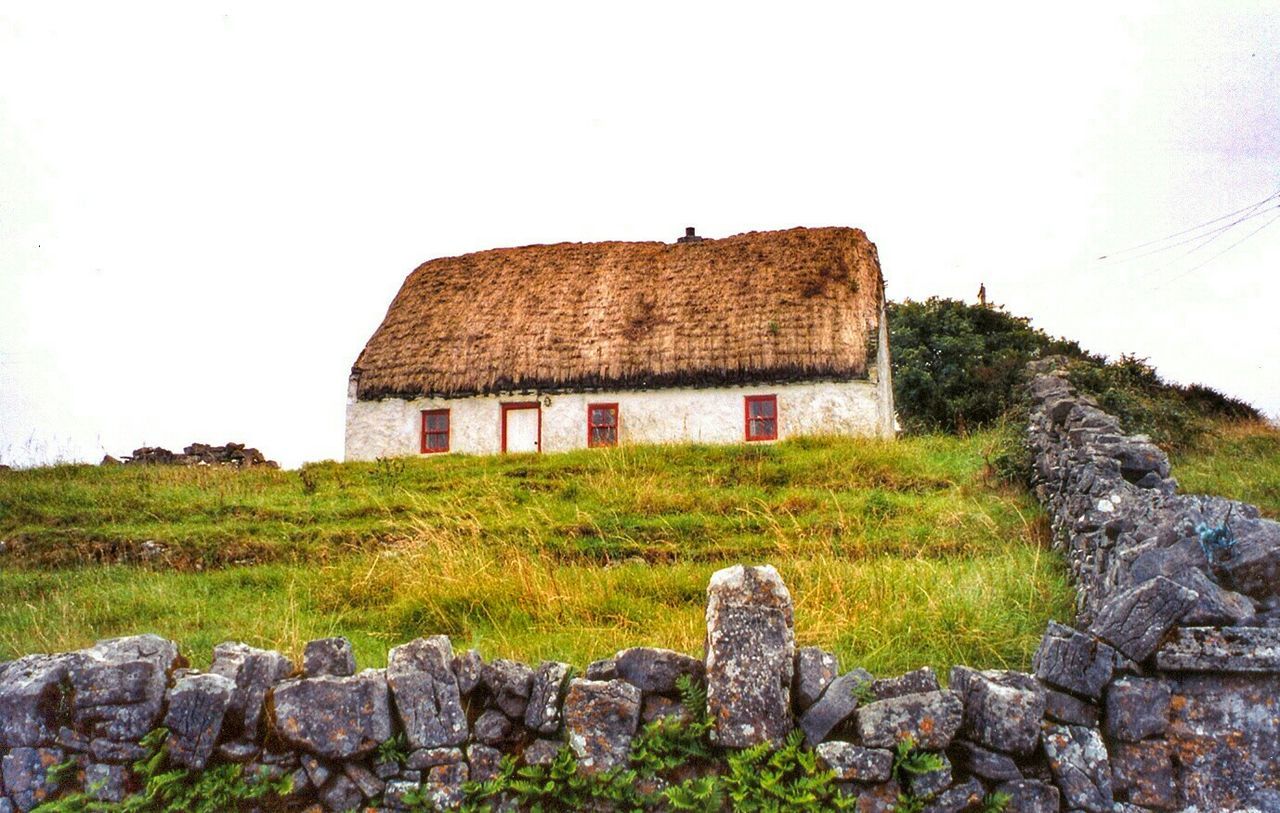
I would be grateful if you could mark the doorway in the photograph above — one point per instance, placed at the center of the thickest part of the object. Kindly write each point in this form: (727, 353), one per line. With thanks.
(522, 427)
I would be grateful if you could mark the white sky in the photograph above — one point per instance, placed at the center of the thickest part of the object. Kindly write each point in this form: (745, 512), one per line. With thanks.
(205, 209)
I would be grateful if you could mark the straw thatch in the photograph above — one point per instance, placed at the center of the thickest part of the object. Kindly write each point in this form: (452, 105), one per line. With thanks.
(758, 307)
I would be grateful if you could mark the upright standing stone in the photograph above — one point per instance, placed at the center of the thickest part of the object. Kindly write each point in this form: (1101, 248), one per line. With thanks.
(426, 694)
(750, 656)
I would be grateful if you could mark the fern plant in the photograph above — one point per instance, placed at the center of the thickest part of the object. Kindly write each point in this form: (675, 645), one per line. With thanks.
(216, 789)
(763, 779)
(911, 761)
(995, 802)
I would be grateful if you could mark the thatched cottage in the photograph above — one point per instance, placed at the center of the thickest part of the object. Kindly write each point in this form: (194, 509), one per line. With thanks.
(751, 338)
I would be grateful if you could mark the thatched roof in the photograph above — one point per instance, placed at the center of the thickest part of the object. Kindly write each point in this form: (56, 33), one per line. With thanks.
(758, 307)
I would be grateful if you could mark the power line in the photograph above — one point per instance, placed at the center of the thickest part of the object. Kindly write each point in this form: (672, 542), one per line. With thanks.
(1219, 254)
(1249, 208)
(1208, 236)
(1206, 239)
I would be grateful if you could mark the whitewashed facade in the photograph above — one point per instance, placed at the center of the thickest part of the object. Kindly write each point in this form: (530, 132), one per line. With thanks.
(557, 422)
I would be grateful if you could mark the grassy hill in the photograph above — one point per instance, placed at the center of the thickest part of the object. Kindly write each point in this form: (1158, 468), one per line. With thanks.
(898, 554)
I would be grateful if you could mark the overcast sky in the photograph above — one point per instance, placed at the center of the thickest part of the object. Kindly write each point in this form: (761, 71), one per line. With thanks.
(205, 209)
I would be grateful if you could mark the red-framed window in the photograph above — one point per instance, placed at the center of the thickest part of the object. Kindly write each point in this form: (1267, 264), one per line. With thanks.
(435, 431)
(761, 412)
(602, 425)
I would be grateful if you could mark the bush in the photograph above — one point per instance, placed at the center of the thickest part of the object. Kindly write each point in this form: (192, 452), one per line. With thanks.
(958, 367)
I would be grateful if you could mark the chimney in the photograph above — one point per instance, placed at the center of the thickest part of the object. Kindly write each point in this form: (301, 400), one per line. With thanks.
(689, 236)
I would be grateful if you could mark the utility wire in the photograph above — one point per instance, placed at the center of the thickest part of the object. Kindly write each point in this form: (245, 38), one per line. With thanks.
(1249, 208)
(1207, 236)
(1206, 239)
(1219, 254)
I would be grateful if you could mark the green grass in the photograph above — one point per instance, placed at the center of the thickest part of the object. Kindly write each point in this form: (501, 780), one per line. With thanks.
(1240, 460)
(897, 554)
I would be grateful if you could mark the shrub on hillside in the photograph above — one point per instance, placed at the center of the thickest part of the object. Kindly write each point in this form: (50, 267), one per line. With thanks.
(957, 367)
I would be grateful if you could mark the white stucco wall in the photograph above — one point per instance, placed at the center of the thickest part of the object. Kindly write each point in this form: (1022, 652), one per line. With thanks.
(391, 427)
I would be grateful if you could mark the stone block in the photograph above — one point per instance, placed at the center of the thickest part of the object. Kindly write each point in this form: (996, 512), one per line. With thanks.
(425, 690)
(484, 762)
(328, 656)
(119, 686)
(254, 671)
(1135, 621)
(106, 783)
(509, 684)
(1066, 708)
(443, 785)
(1070, 660)
(991, 765)
(467, 668)
(542, 712)
(341, 795)
(25, 774)
(423, 758)
(334, 717)
(1225, 649)
(197, 706)
(853, 763)
(930, 719)
(927, 784)
(918, 681)
(496, 729)
(541, 752)
(656, 670)
(1137, 708)
(967, 796)
(1002, 710)
(368, 783)
(1081, 770)
(815, 669)
(836, 705)
(31, 690)
(600, 718)
(1030, 796)
(1142, 774)
(750, 656)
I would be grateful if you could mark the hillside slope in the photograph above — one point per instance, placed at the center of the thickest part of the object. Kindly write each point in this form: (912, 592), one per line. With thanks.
(898, 553)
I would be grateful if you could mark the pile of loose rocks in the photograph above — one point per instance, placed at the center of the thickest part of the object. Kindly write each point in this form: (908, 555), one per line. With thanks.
(197, 454)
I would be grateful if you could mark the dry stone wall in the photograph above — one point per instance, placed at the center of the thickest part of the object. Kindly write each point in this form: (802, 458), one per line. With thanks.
(1162, 695)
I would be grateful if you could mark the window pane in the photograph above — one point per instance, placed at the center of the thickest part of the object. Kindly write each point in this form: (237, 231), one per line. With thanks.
(438, 423)
(604, 416)
(768, 428)
(437, 441)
